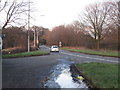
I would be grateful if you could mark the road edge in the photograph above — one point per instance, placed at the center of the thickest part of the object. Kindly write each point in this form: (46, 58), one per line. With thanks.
(88, 82)
(26, 56)
(93, 54)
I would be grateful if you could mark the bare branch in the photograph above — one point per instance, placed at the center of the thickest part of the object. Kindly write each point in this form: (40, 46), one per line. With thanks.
(14, 11)
(4, 5)
(98, 18)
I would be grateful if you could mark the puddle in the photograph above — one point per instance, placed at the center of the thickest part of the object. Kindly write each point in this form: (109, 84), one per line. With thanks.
(66, 81)
(61, 77)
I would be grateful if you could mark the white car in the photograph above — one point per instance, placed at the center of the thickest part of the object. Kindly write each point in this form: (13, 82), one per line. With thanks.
(54, 48)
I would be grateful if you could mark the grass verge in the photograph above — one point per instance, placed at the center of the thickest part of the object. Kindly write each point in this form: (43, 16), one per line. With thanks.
(101, 75)
(111, 54)
(25, 54)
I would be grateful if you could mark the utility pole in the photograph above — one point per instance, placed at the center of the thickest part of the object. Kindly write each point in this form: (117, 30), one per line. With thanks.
(34, 29)
(28, 26)
(37, 39)
(0, 39)
(34, 36)
(1, 57)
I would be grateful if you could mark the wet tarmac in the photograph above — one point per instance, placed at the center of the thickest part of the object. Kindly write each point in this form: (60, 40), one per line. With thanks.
(62, 77)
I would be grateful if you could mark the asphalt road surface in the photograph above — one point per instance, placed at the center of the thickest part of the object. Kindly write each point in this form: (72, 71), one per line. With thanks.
(30, 72)
(81, 58)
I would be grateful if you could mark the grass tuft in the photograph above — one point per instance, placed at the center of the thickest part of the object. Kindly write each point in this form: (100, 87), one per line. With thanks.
(102, 75)
(111, 54)
(25, 54)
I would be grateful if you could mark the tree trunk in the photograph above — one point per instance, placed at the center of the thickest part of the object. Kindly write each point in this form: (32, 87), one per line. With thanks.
(97, 44)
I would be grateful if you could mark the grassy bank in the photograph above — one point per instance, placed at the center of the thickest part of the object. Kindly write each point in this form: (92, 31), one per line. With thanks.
(25, 54)
(101, 75)
(102, 53)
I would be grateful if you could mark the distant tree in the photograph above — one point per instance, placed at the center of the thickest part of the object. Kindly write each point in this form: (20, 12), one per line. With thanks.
(18, 37)
(119, 24)
(97, 18)
(69, 35)
(58, 34)
(79, 33)
(111, 40)
(39, 33)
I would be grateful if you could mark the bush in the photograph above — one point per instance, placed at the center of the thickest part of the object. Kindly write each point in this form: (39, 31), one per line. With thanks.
(17, 50)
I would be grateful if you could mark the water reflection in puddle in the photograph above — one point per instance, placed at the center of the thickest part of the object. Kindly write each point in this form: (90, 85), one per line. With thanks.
(65, 80)
(61, 78)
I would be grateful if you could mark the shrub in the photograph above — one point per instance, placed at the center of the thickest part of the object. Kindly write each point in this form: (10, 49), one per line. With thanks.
(17, 50)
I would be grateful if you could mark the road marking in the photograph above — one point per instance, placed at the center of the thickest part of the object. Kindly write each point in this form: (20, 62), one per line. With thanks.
(88, 57)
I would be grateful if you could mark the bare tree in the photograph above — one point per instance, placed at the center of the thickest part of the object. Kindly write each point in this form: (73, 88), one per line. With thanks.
(114, 15)
(78, 29)
(12, 10)
(119, 24)
(98, 19)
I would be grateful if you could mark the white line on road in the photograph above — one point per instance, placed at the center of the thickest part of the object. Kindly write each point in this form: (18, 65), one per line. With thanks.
(88, 57)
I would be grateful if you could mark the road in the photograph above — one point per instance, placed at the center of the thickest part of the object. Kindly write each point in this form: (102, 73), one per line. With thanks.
(30, 72)
(81, 58)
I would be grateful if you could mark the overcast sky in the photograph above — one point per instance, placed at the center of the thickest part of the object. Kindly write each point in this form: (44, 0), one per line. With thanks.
(51, 13)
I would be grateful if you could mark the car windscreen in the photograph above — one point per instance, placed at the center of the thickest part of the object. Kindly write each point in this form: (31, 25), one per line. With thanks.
(55, 47)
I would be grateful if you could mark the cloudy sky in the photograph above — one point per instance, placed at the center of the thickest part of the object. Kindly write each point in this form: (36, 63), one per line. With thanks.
(51, 13)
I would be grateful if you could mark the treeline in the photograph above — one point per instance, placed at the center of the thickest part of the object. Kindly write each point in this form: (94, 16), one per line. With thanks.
(69, 36)
(18, 36)
(97, 28)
